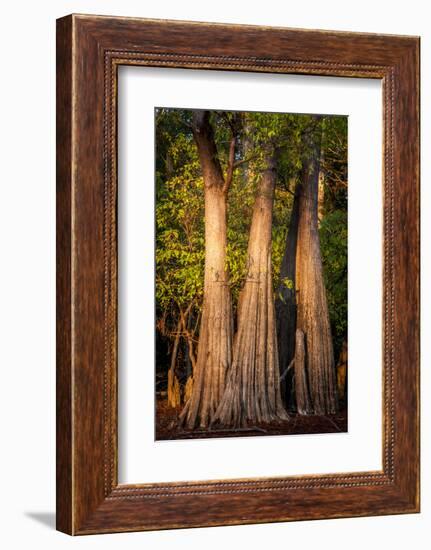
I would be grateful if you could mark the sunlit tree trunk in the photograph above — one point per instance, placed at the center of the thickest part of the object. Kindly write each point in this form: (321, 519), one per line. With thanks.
(312, 307)
(302, 393)
(321, 184)
(216, 328)
(252, 392)
(321, 198)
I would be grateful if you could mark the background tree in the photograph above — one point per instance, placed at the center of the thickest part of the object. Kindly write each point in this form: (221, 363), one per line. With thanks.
(286, 302)
(312, 307)
(332, 224)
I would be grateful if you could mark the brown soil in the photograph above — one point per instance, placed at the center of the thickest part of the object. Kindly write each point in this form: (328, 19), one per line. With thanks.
(167, 418)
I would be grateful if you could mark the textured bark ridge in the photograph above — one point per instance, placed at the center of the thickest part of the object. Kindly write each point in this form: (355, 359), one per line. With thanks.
(252, 392)
(216, 329)
(303, 401)
(286, 299)
(312, 307)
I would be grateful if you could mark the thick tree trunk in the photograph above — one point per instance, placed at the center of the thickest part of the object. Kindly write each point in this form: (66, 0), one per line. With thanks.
(303, 401)
(252, 392)
(286, 300)
(216, 328)
(312, 307)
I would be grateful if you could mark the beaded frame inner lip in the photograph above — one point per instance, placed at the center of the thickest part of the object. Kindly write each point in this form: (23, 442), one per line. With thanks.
(89, 51)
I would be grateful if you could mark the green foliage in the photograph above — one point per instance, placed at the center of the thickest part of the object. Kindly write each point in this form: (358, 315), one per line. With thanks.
(180, 243)
(288, 283)
(180, 239)
(333, 244)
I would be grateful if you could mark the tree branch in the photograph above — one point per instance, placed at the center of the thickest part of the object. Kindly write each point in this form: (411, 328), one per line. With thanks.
(230, 165)
(203, 134)
(283, 376)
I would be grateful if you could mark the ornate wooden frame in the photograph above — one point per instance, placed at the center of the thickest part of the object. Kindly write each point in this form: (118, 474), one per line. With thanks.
(89, 51)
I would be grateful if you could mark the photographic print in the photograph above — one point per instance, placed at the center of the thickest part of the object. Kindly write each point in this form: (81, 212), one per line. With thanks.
(251, 273)
(208, 182)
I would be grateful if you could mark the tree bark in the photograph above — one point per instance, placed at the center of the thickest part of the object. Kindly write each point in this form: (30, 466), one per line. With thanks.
(252, 392)
(321, 198)
(216, 328)
(303, 401)
(321, 184)
(312, 307)
(286, 299)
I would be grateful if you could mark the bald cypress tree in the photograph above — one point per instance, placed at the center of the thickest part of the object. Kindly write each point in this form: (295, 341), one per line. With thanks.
(252, 393)
(312, 307)
(216, 328)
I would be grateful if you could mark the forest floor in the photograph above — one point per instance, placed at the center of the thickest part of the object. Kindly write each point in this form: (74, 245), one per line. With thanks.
(167, 418)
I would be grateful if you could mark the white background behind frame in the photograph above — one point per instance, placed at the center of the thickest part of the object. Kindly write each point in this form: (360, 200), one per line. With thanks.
(28, 123)
(141, 458)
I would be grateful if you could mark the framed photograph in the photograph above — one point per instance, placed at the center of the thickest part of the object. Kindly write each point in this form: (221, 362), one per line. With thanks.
(237, 274)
